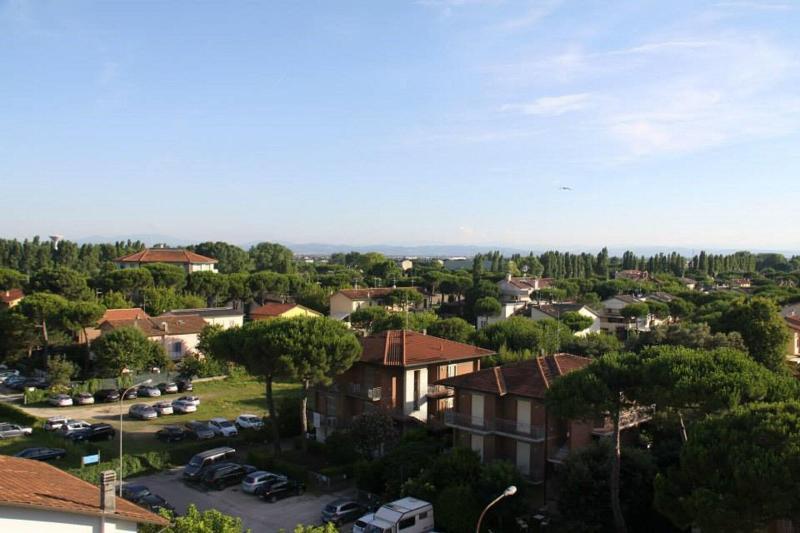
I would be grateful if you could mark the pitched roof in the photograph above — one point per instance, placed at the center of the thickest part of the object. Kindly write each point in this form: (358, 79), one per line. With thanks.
(165, 255)
(37, 485)
(555, 310)
(627, 298)
(529, 378)
(271, 309)
(124, 314)
(409, 348)
(374, 292)
(793, 322)
(530, 284)
(205, 312)
(154, 326)
(11, 295)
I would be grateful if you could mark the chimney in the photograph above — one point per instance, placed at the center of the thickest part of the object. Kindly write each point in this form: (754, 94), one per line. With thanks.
(108, 502)
(164, 327)
(508, 276)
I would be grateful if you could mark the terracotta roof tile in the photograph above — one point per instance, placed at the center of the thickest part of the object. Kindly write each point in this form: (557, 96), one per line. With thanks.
(124, 314)
(409, 348)
(529, 378)
(38, 485)
(153, 327)
(366, 294)
(11, 295)
(275, 309)
(165, 255)
(793, 322)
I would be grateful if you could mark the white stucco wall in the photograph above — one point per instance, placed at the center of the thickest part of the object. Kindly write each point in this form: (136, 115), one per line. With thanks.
(421, 413)
(225, 321)
(19, 520)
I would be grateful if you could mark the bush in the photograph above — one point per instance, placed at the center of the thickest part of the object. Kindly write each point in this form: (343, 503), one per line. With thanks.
(35, 396)
(457, 509)
(267, 461)
(15, 415)
(340, 448)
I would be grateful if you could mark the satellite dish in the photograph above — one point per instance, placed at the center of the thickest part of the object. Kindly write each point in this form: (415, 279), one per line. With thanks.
(55, 240)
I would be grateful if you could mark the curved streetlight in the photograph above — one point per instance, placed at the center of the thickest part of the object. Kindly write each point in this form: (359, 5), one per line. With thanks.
(121, 398)
(510, 491)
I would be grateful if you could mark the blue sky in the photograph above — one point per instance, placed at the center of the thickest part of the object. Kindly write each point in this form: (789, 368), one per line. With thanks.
(438, 121)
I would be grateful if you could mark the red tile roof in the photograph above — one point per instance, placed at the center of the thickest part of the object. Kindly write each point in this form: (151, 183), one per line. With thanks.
(153, 326)
(793, 322)
(530, 284)
(271, 309)
(165, 255)
(11, 295)
(409, 348)
(376, 292)
(124, 314)
(529, 378)
(37, 485)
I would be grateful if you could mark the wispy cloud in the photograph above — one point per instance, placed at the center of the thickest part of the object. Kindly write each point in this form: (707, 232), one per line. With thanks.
(551, 105)
(532, 15)
(768, 6)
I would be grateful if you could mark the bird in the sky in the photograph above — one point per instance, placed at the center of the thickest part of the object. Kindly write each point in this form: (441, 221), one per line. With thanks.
(565, 188)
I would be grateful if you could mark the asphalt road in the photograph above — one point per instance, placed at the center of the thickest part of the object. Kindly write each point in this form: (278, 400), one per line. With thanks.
(259, 516)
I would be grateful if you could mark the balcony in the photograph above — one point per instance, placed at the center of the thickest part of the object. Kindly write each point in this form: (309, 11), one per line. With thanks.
(627, 419)
(497, 426)
(372, 394)
(440, 391)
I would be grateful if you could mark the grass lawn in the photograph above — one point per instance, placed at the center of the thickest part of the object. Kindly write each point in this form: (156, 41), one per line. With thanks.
(225, 398)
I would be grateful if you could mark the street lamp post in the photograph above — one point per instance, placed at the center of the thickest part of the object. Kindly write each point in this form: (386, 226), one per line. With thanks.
(121, 398)
(510, 491)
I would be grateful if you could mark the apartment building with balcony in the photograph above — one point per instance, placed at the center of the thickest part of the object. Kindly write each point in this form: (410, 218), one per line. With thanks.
(396, 374)
(500, 413)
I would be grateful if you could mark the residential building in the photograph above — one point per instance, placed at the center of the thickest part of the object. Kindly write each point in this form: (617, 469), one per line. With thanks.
(281, 310)
(227, 317)
(112, 315)
(178, 335)
(689, 283)
(190, 261)
(555, 311)
(612, 321)
(11, 297)
(396, 374)
(507, 310)
(521, 289)
(633, 275)
(500, 413)
(345, 301)
(793, 353)
(406, 264)
(36, 497)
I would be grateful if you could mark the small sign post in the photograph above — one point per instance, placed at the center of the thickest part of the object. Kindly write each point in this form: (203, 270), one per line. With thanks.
(90, 459)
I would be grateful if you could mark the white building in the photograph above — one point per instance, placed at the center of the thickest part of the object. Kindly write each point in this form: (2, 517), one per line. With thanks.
(227, 317)
(556, 311)
(521, 289)
(190, 261)
(36, 497)
(178, 335)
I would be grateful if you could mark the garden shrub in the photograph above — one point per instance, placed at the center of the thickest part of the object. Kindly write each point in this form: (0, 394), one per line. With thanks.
(15, 415)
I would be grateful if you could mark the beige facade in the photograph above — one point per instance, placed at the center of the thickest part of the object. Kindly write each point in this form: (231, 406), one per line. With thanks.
(22, 520)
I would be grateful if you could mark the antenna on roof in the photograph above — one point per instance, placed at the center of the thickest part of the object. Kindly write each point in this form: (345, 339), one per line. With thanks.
(56, 239)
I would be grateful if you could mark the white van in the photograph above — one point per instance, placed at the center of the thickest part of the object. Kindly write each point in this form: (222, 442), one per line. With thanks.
(407, 515)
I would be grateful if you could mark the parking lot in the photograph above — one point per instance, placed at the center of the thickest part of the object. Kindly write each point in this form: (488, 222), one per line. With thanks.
(259, 516)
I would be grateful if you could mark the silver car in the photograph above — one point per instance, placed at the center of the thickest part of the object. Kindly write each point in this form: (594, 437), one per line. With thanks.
(8, 431)
(142, 412)
(163, 408)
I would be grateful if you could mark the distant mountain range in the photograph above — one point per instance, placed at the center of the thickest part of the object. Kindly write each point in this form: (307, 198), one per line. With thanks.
(426, 250)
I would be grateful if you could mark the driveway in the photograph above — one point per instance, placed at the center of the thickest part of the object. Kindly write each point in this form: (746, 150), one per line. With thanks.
(259, 516)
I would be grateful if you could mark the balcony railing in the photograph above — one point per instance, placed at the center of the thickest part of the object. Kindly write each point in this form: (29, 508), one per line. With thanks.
(440, 391)
(372, 394)
(499, 426)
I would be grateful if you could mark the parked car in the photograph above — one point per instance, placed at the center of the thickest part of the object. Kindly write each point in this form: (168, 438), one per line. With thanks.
(83, 398)
(360, 525)
(60, 400)
(168, 388)
(154, 503)
(55, 422)
(148, 391)
(222, 427)
(71, 426)
(131, 394)
(142, 412)
(8, 431)
(37, 383)
(342, 511)
(253, 480)
(408, 514)
(106, 395)
(94, 432)
(194, 400)
(6, 374)
(184, 385)
(202, 461)
(42, 454)
(279, 489)
(247, 421)
(171, 434)
(15, 382)
(134, 492)
(163, 408)
(226, 474)
(183, 407)
(199, 430)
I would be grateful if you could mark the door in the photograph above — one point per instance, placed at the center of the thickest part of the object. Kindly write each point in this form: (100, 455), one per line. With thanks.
(523, 416)
(477, 410)
(524, 458)
(476, 443)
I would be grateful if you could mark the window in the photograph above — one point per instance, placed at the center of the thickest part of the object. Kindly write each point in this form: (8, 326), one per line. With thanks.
(423, 515)
(176, 346)
(407, 522)
(416, 389)
(451, 370)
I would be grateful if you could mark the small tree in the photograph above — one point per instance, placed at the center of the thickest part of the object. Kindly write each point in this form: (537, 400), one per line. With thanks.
(60, 372)
(371, 432)
(487, 306)
(128, 349)
(454, 329)
(194, 521)
(763, 329)
(636, 310)
(576, 321)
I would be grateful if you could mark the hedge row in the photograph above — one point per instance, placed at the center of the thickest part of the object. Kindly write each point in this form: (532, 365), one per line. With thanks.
(15, 415)
(267, 461)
